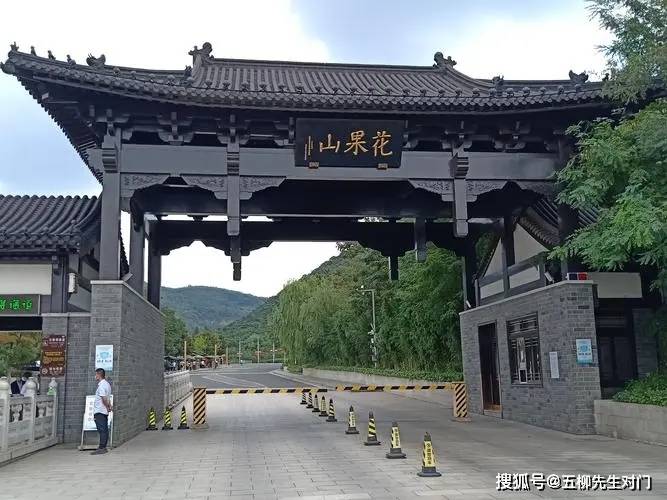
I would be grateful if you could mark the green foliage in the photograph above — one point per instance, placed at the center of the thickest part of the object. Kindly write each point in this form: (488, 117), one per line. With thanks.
(18, 350)
(619, 167)
(637, 56)
(325, 319)
(651, 390)
(208, 307)
(175, 332)
(430, 376)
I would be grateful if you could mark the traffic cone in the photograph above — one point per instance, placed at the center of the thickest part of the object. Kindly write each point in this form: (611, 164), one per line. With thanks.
(351, 422)
(332, 412)
(152, 420)
(372, 439)
(303, 399)
(395, 447)
(184, 419)
(428, 459)
(310, 400)
(323, 407)
(166, 426)
(316, 405)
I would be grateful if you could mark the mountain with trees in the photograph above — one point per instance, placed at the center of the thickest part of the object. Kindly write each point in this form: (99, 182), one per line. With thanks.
(206, 307)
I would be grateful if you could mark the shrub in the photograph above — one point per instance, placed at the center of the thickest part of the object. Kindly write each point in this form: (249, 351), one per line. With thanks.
(651, 390)
(433, 376)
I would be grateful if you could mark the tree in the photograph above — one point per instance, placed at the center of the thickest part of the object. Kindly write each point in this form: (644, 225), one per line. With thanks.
(175, 332)
(18, 350)
(619, 167)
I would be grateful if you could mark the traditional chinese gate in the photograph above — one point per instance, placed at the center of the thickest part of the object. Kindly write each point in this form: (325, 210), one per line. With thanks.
(390, 156)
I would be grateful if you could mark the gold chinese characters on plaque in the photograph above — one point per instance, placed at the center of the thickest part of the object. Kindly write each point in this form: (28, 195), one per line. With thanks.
(348, 143)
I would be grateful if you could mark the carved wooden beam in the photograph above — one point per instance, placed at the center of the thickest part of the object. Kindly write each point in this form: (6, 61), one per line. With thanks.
(459, 170)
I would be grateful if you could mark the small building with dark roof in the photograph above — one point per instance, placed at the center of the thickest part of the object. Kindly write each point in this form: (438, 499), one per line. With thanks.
(49, 249)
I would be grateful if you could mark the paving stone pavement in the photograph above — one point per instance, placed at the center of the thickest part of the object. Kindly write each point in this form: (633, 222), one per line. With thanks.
(269, 446)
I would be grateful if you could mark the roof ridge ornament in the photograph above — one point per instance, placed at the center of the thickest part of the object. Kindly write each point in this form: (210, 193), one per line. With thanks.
(50, 55)
(13, 47)
(579, 78)
(203, 55)
(96, 62)
(498, 82)
(442, 63)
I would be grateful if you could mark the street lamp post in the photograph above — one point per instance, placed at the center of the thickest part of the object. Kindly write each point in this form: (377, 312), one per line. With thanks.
(373, 344)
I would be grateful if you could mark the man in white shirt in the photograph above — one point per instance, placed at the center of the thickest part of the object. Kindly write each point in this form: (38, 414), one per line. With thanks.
(101, 410)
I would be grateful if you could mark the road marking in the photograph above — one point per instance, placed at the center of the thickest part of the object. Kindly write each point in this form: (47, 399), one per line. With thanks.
(233, 381)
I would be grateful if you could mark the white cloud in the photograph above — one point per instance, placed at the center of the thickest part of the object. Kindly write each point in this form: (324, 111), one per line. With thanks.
(545, 48)
(158, 35)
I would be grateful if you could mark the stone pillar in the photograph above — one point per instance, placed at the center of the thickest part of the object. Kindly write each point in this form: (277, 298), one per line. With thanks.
(154, 268)
(123, 318)
(137, 237)
(5, 393)
(110, 226)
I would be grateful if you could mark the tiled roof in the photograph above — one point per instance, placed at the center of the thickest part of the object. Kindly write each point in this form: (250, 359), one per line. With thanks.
(310, 86)
(47, 223)
(541, 221)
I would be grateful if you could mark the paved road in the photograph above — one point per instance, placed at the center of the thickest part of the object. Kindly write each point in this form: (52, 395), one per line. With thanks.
(242, 376)
(268, 446)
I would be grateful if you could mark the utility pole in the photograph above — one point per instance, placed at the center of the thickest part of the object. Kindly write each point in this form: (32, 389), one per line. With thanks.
(185, 354)
(257, 350)
(273, 350)
(374, 350)
(239, 351)
(215, 355)
(227, 355)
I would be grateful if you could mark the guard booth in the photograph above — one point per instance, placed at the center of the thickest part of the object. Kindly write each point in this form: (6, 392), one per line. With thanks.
(392, 157)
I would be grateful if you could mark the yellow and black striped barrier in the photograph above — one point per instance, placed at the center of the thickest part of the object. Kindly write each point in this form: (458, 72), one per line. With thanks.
(199, 408)
(386, 388)
(461, 401)
(267, 390)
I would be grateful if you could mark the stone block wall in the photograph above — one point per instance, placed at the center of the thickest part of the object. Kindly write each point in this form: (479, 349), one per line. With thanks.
(565, 313)
(647, 423)
(74, 386)
(124, 319)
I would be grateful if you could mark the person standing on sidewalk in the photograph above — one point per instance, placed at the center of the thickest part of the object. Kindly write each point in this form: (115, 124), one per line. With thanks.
(101, 410)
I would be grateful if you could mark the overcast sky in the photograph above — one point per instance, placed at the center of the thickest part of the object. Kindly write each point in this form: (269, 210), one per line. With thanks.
(515, 38)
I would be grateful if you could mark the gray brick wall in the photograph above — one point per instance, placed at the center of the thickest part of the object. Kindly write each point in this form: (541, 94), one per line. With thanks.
(565, 313)
(135, 328)
(72, 388)
(645, 342)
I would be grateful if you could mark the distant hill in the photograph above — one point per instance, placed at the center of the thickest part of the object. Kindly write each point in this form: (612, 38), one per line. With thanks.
(208, 307)
(254, 323)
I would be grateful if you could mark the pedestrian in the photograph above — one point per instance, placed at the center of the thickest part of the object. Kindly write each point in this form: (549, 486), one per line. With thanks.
(101, 409)
(18, 387)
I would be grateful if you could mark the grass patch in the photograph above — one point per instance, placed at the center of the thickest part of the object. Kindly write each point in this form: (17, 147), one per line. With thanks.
(433, 376)
(651, 390)
(294, 368)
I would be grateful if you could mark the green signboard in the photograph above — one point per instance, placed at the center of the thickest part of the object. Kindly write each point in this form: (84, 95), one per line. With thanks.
(19, 305)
